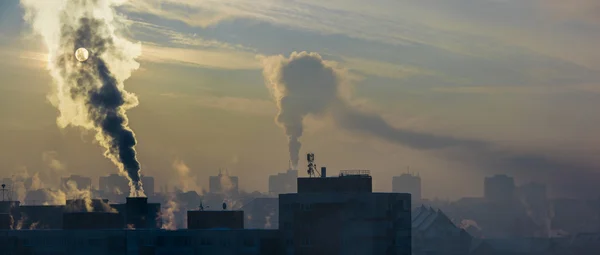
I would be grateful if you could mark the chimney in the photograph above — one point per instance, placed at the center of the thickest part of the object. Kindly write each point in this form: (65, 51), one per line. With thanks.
(136, 210)
(323, 172)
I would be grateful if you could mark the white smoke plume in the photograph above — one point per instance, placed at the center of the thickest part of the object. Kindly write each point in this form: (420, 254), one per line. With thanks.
(50, 158)
(226, 183)
(168, 215)
(187, 181)
(21, 182)
(34, 225)
(90, 94)
(306, 84)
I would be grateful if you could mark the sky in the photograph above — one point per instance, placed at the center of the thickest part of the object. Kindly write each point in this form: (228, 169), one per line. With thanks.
(516, 83)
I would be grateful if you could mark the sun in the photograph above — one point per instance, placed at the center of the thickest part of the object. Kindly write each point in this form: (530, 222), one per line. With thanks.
(82, 54)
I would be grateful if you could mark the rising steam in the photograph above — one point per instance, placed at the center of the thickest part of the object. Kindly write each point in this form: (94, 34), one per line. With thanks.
(306, 84)
(90, 94)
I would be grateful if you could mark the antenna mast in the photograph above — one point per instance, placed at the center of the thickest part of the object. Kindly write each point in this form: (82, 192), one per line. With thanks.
(312, 167)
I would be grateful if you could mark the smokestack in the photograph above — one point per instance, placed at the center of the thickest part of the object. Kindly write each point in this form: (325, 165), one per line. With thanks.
(136, 210)
(89, 62)
(323, 172)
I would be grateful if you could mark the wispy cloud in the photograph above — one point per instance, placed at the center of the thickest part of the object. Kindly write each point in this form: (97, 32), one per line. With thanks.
(235, 104)
(218, 59)
(383, 69)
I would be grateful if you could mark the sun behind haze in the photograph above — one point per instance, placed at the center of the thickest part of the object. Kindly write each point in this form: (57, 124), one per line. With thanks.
(457, 90)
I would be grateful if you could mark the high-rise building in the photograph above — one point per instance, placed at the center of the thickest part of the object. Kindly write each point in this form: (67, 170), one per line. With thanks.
(344, 207)
(79, 182)
(283, 182)
(407, 183)
(223, 183)
(499, 188)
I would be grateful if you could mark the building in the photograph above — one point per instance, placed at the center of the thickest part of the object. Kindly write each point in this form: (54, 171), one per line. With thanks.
(499, 188)
(262, 213)
(282, 183)
(80, 182)
(149, 241)
(223, 183)
(407, 183)
(113, 184)
(215, 219)
(341, 215)
(136, 213)
(434, 233)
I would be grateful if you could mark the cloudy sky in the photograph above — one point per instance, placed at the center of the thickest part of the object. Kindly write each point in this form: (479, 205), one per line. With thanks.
(520, 76)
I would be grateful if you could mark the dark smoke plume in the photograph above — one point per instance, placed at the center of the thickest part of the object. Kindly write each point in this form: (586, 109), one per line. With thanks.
(90, 93)
(305, 84)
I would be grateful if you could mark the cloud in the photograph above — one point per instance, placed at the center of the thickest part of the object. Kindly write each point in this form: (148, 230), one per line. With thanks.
(216, 59)
(383, 69)
(581, 10)
(235, 104)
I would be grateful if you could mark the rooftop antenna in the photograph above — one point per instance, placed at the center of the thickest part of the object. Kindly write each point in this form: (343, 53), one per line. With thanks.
(312, 167)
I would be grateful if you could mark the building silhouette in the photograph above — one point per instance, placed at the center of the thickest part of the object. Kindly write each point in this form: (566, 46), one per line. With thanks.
(80, 182)
(281, 183)
(341, 215)
(499, 188)
(407, 183)
(223, 183)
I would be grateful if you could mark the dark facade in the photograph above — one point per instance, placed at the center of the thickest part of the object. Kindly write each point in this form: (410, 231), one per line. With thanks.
(92, 220)
(136, 212)
(345, 183)
(5, 221)
(340, 215)
(215, 219)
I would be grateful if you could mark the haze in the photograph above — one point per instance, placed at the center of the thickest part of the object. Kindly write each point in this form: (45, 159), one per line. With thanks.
(521, 77)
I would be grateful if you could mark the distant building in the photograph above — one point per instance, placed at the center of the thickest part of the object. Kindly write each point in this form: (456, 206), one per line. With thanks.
(282, 183)
(223, 183)
(434, 233)
(407, 183)
(114, 184)
(344, 207)
(499, 188)
(136, 213)
(80, 182)
(262, 213)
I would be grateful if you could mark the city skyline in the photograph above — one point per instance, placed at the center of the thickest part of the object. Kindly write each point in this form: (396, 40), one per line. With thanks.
(453, 70)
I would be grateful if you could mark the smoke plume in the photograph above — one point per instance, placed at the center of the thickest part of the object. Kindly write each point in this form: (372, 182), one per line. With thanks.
(306, 84)
(90, 94)
(168, 215)
(187, 182)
